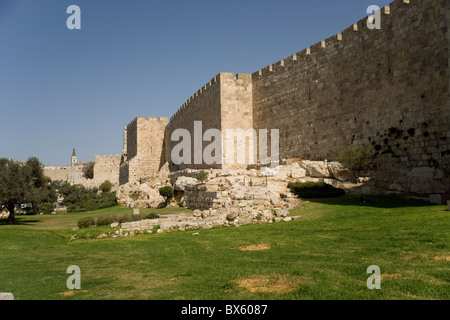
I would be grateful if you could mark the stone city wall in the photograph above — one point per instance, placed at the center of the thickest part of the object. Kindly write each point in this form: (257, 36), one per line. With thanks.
(106, 167)
(388, 87)
(144, 152)
(56, 173)
(205, 106)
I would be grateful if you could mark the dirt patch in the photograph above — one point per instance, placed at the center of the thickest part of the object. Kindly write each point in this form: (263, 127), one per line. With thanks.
(414, 256)
(390, 276)
(70, 293)
(256, 247)
(443, 257)
(278, 284)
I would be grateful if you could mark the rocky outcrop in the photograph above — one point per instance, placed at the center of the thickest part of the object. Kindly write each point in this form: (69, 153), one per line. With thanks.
(137, 195)
(422, 181)
(205, 219)
(327, 170)
(340, 173)
(258, 189)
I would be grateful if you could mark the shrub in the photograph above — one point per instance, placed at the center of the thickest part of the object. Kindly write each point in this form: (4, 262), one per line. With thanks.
(106, 186)
(93, 202)
(151, 216)
(357, 158)
(202, 176)
(143, 216)
(104, 221)
(84, 222)
(46, 208)
(88, 171)
(167, 192)
(311, 190)
(123, 218)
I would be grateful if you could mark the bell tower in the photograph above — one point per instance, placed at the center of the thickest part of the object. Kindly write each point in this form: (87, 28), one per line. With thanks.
(74, 157)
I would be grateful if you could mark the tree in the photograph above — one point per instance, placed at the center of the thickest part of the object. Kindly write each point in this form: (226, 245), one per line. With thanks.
(12, 185)
(38, 189)
(357, 158)
(88, 171)
(167, 192)
(106, 186)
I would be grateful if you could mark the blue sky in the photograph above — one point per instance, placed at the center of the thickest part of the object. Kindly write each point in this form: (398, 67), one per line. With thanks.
(62, 89)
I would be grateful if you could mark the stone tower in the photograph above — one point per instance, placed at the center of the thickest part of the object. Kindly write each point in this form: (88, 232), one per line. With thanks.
(144, 150)
(74, 157)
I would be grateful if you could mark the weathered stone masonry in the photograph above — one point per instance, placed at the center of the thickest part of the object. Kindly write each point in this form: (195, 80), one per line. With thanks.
(389, 87)
(144, 149)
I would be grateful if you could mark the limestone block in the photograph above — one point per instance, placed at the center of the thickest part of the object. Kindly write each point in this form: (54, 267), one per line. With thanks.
(339, 172)
(316, 169)
(182, 182)
(297, 172)
(6, 296)
(418, 185)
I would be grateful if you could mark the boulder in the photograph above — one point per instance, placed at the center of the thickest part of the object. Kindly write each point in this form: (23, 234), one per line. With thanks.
(339, 172)
(316, 169)
(182, 182)
(422, 180)
(6, 296)
(136, 195)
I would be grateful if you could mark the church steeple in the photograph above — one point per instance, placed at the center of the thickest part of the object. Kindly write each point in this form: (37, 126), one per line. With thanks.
(74, 157)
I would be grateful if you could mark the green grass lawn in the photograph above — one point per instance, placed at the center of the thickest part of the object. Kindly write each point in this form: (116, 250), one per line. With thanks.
(322, 255)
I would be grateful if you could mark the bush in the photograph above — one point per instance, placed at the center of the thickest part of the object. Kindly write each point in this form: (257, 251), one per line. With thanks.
(167, 192)
(93, 202)
(46, 208)
(88, 171)
(151, 216)
(357, 158)
(84, 222)
(123, 218)
(106, 186)
(310, 190)
(143, 216)
(202, 176)
(104, 221)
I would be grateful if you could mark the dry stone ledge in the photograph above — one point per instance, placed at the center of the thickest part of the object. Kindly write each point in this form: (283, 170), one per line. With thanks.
(316, 169)
(422, 180)
(205, 219)
(6, 296)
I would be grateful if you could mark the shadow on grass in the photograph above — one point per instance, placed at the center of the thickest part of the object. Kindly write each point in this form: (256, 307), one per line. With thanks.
(374, 201)
(20, 221)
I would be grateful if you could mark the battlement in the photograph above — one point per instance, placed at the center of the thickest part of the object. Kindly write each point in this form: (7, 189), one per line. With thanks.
(338, 43)
(112, 157)
(148, 119)
(213, 83)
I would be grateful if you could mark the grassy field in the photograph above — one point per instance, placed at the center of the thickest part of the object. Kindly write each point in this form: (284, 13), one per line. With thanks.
(323, 255)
